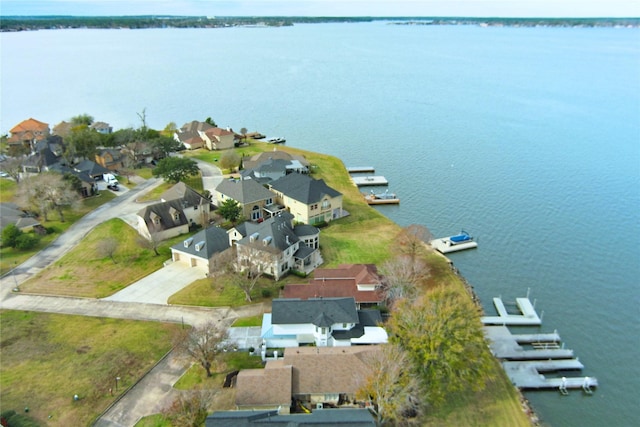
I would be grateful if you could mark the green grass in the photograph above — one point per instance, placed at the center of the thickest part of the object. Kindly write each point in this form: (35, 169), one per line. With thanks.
(247, 321)
(220, 292)
(86, 272)
(156, 420)
(196, 376)
(7, 189)
(48, 358)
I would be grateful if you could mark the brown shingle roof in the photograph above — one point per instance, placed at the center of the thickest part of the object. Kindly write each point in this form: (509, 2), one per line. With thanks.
(268, 386)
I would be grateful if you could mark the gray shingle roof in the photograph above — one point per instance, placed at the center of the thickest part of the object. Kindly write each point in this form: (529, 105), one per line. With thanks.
(188, 195)
(164, 211)
(344, 417)
(296, 311)
(244, 190)
(303, 188)
(215, 240)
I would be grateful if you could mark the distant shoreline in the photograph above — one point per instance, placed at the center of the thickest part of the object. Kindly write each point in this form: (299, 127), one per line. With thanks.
(31, 23)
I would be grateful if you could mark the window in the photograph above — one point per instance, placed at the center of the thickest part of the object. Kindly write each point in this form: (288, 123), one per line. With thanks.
(326, 204)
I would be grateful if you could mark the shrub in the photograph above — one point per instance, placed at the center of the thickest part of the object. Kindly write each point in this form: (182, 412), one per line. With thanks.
(27, 241)
(10, 235)
(266, 293)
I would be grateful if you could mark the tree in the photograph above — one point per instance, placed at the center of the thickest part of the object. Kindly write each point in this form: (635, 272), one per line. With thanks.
(81, 143)
(203, 343)
(190, 408)
(10, 236)
(243, 132)
(107, 248)
(403, 277)
(45, 192)
(391, 387)
(175, 169)
(413, 240)
(442, 335)
(229, 160)
(152, 242)
(81, 120)
(210, 121)
(13, 167)
(230, 210)
(169, 129)
(166, 144)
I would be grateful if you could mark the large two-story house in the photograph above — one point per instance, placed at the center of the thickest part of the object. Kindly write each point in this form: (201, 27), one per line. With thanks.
(180, 208)
(323, 322)
(311, 201)
(27, 133)
(199, 249)
(277, 245)
(256, 201)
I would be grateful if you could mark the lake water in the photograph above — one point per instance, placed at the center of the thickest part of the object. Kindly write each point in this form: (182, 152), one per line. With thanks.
(528, 138)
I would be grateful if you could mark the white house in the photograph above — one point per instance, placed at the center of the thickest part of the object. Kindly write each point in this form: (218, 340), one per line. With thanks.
(323, 322)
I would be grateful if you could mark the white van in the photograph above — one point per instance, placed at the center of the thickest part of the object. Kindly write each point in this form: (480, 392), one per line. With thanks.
(110, 179)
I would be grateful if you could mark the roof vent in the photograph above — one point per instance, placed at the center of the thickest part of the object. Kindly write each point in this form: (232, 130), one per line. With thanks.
(199, 246)
(188, 242)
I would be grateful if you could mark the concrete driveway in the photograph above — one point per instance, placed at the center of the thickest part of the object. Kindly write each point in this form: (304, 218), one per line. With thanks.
(157, 287)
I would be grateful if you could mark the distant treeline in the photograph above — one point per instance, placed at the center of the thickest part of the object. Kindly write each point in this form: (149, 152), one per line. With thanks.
(25, 23)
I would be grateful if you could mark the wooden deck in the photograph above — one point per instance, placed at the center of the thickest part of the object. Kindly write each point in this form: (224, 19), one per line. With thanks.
(361, 169)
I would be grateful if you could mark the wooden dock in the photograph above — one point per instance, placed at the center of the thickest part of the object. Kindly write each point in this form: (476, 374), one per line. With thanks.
(369, 180)
(527, 316)
(361, 169)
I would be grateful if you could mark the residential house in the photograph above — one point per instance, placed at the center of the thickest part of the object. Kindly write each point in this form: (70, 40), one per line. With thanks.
(273, 169)
(27, 133)
(323, 322)
(94, 170)
(198, 250)
(352, 417)
(311, 201)
(256, 201)
(196, 207)
(163, 220)
(359, 281)
(274, 245)
(181, 207)
(88, 186)
(110, 158)
(189, 134)
(101, 127)
(62, 129)
(216, 138)
(260, 158)
(10, 213)
(309, 377)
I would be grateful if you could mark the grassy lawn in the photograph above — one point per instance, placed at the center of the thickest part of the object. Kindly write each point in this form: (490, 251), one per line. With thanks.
(48, 358)
(86, 272)
(247, 321)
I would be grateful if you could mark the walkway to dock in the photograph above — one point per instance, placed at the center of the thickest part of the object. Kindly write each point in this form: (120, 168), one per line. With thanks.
(361, 169)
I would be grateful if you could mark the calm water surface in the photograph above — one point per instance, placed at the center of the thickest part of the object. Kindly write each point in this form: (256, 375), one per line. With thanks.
(529, 138)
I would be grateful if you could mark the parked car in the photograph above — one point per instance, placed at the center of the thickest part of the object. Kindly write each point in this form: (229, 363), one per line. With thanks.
(113, 187)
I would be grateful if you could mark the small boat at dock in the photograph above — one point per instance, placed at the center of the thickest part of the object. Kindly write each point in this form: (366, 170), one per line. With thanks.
(385, 198)
(276, 140)
(454, 243)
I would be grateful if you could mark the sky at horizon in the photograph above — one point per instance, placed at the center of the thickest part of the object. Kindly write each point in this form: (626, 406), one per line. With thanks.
(468, 8)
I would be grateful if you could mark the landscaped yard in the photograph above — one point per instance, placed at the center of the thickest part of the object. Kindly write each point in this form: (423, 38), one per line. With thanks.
(49, 358)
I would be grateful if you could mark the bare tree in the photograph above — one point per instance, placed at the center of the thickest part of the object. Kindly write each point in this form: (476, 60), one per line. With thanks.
(13, 167)
(190, 408)
(203, 343)
(152, 241)
(255, 260)
(413, 240)
(108, 247)
(403, 276)
(230, 160)
(392, 388)
(45, 192)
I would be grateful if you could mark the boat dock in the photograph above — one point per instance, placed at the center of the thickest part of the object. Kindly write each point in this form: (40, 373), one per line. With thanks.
(385, 198)
(506, 346)
(444, 245)
(525, 366)
(361, 169)
(369, 180)
(527, 316)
